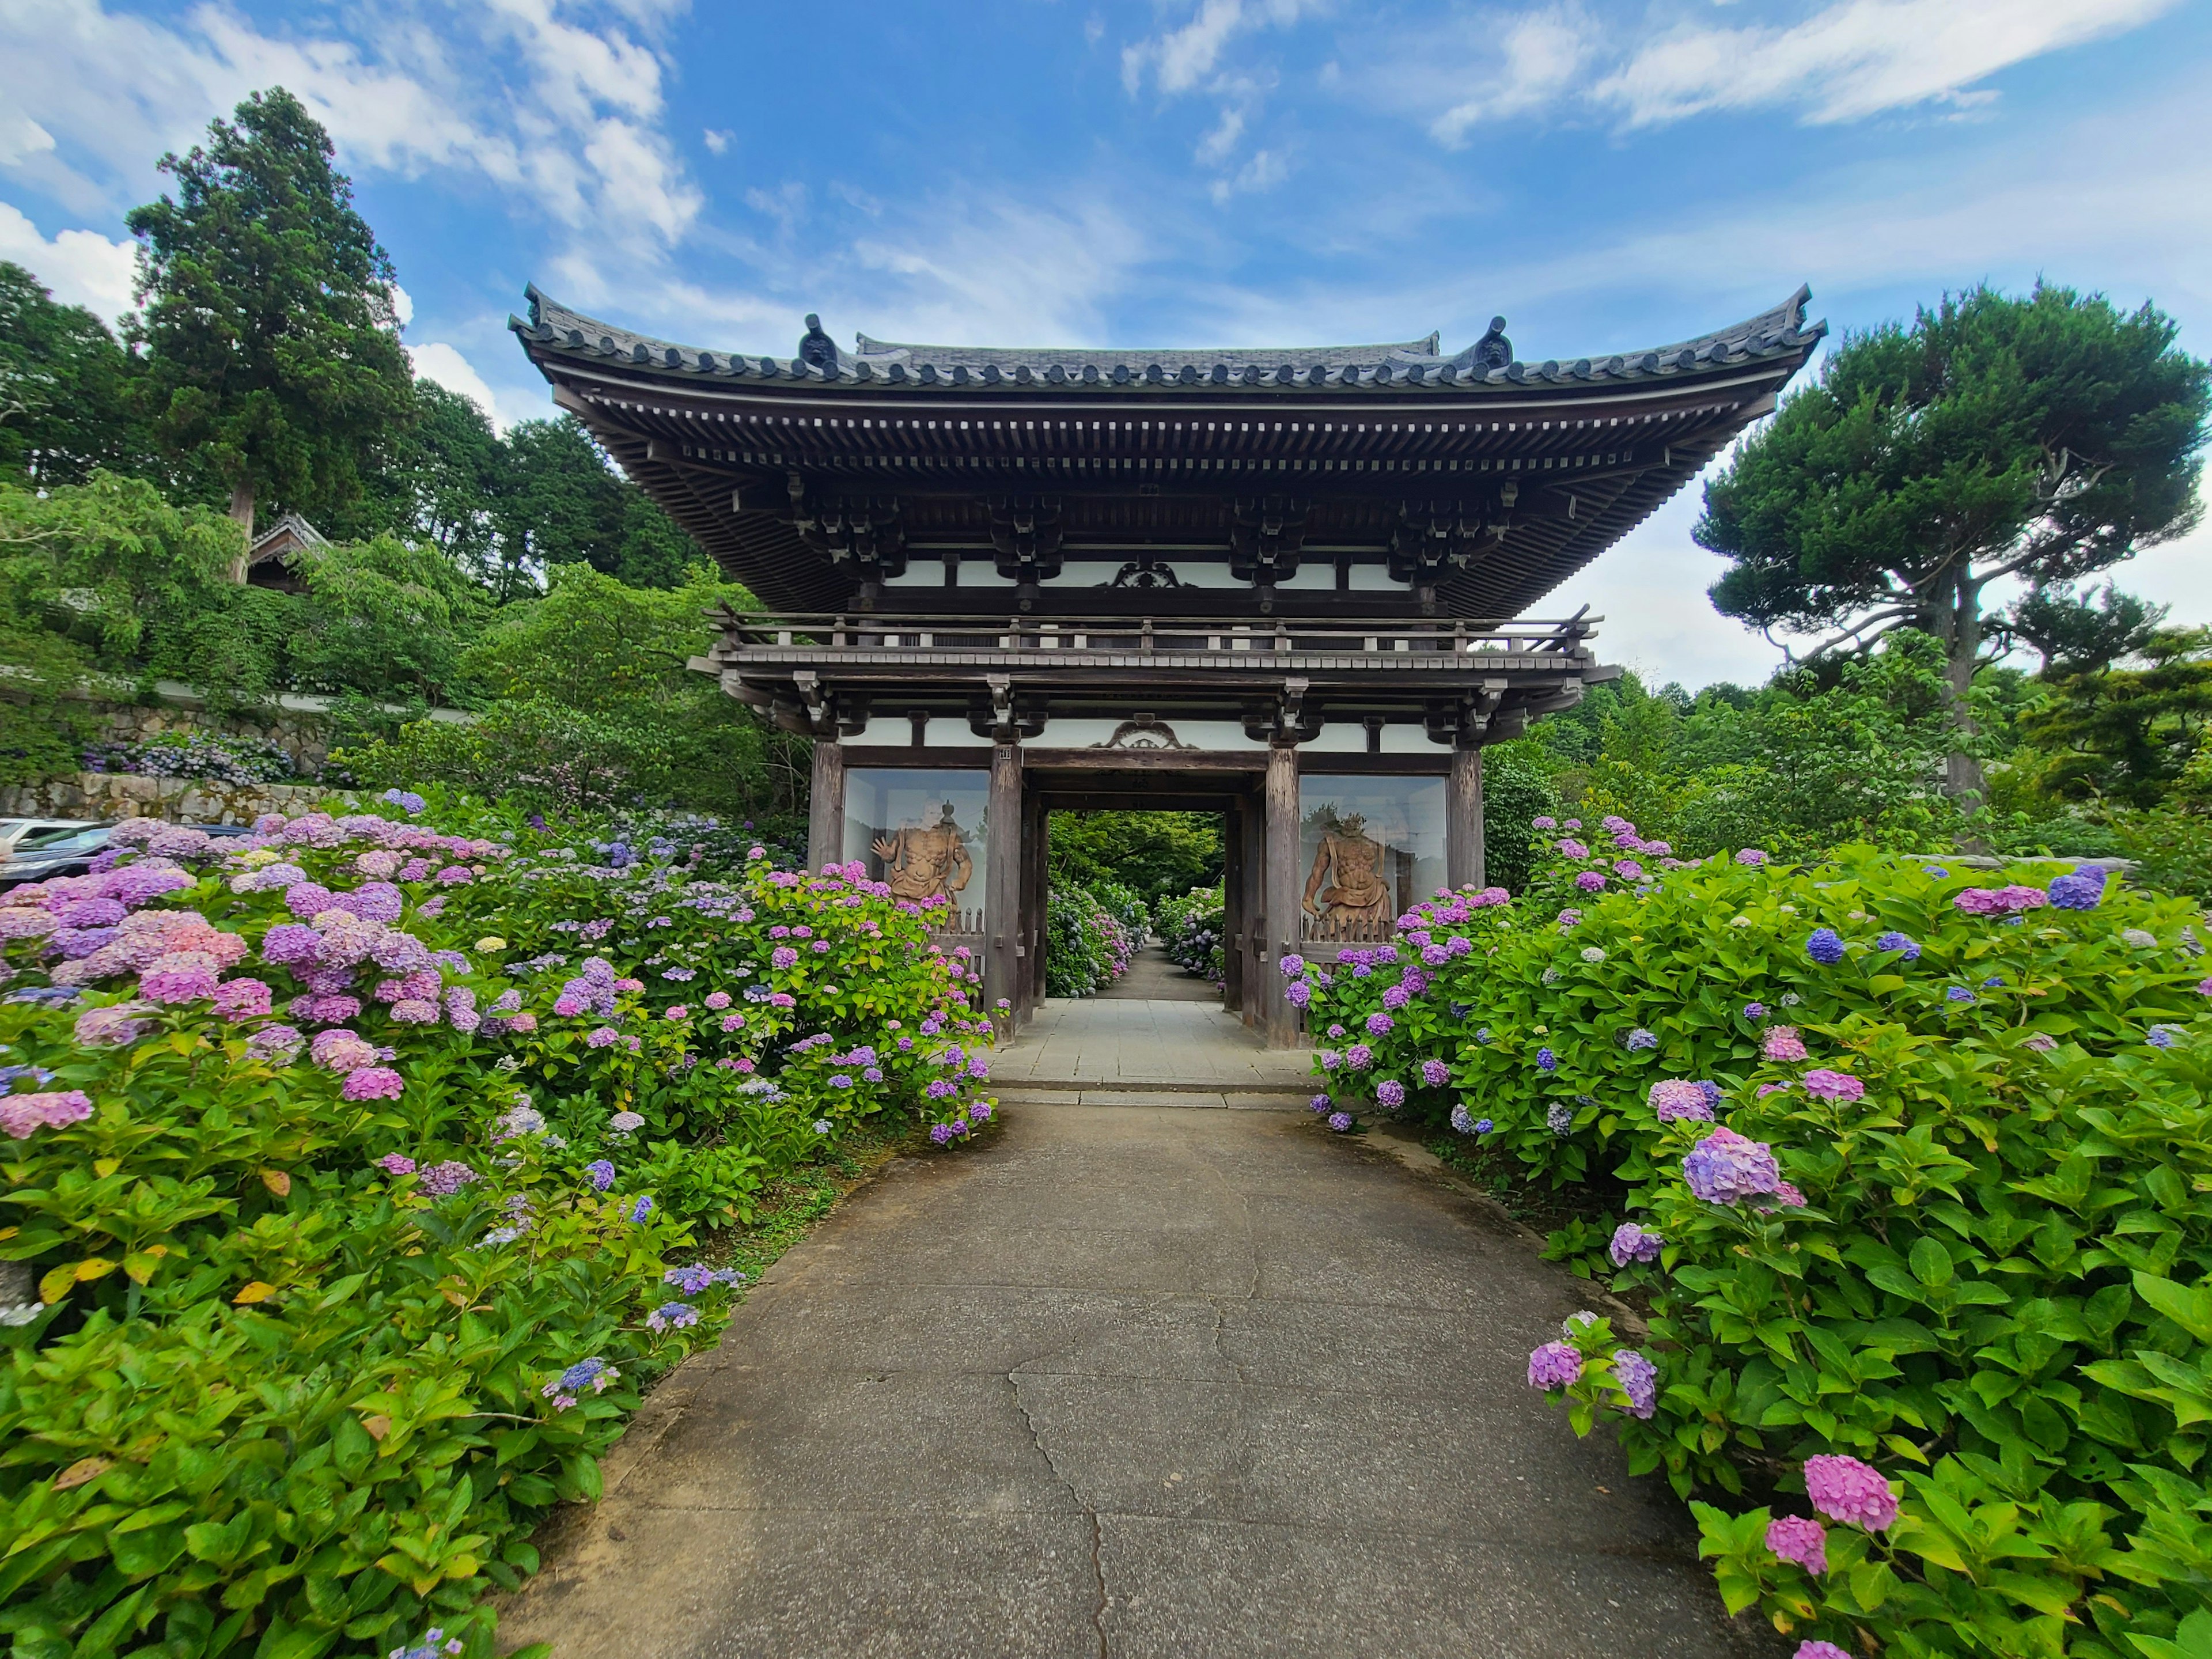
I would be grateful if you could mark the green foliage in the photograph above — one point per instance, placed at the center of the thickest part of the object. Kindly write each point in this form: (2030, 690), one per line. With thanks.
(65, 389)
(1190, 929)
(2046, 437)
(1161, 855)
(287, 1390)
(1517, 787)
(2127, 735)
(2077, 636)
(1991, 1289)
(43, 723)
(385, 619)
(563, 504)
(271, 346)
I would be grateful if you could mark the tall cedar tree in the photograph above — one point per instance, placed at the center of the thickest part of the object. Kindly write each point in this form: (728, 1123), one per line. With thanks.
(2046, 438)
(272, 346)
(64, 388)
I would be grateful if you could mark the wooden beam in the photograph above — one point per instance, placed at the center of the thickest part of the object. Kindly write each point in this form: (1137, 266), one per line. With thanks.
(826, 807)
(1285, 890)
(1002, 922)
(1255, 900)
(1463, 848)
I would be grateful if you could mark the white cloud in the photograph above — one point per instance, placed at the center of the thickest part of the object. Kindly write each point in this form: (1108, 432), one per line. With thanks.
(403, 305)
(1217, 145)
(79, 267)
(1263, 170)
(20, 138)
(1543, 52)
(565, 118)
(1184, 57)
(1856, 58)
(445, 365)
(718, 140)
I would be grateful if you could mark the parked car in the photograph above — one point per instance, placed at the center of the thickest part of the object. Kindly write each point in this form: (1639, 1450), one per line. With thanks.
(13, 831)
(48, 847)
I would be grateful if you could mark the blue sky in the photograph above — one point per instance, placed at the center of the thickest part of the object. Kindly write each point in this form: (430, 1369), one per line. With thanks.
(1191, 172)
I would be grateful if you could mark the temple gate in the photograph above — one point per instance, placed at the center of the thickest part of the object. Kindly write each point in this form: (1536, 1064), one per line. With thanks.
(1282, 585)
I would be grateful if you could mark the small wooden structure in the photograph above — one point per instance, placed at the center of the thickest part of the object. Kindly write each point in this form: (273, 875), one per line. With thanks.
(1278, 585)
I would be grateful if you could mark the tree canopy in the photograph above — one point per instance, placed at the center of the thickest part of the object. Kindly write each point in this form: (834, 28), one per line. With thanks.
(64, 387)
(272, 344)
(2046, 437)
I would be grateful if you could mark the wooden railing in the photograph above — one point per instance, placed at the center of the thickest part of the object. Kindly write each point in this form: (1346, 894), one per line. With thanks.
(961, 923)
(1351, 930)
(1393, 637)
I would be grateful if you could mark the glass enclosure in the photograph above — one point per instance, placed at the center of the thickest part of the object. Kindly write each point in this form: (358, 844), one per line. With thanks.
(1368, 848)
(923, 832)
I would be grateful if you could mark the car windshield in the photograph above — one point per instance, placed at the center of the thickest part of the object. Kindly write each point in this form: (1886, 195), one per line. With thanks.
(60, 841)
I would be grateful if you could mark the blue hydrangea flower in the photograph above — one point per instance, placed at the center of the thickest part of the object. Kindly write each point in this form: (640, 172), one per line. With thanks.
(639, 1210)
(1958, 993)
(2162, 1036)
(1993, 981)
(2079, 889)
(1546, 1060)
(1559, 1118)
(1825, 946)
(1904, 944)
(1754, 1011)
(602, 1173)
(1640, 1038)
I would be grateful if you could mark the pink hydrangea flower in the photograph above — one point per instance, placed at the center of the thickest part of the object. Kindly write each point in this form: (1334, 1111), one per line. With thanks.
(1833, 1086)
(718, 1000)
(113, 1025)
(1845, 1489)
(783, 956)
(1819, 1650)
(1674, 1098)
(372, 1083)
(396, 1163)
(1798, 1538)
(340, 1050)
(1782, 1043)
(677, 1011)
(242, 999)
(1726, 1166)
(180, 976)
(21, 1115)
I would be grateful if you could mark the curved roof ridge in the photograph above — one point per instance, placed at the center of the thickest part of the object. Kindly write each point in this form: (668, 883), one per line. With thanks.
(1414, 363)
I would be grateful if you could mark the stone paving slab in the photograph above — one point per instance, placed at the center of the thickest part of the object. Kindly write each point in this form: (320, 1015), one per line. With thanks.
(1124, 1381)
(1118, 1042)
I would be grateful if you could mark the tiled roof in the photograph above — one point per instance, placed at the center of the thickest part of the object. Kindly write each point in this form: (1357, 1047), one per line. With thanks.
(884, 366)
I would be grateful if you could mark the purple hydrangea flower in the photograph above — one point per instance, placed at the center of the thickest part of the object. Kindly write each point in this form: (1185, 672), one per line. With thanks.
(1339, 1121)
(1673, 1098)
(1639, 1038)
(1633, 1243)
(372, 1083)
(1825, 946)
(672, 1316)
(640, 1211)
(1390, 1094)
(1904, 944)
(1639, 1380)
(1754, 1011)
(601, 1173)
(1435, 1073)
(1555, 1365)
(1395, 997)
(444, 1180)
(1359, 1057)
(1726, 1166)
(1380, 1025)
(1320, 1105)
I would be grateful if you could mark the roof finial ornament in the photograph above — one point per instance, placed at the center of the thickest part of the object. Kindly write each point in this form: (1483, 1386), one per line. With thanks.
(1493, 349)
(816, 348)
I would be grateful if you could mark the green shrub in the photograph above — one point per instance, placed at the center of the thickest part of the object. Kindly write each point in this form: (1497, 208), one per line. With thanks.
(1087, 944)
(1978, 1264)
(318, 1335)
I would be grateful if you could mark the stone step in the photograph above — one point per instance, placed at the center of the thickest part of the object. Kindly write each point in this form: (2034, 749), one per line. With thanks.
(1233, 1097)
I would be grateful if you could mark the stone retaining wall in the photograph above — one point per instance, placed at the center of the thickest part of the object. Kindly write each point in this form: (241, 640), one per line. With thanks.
(104, 795)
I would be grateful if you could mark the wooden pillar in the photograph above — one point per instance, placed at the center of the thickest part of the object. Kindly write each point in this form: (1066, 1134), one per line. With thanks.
(1232, 908)
(1003, 919)
(1255, 903)
(1285, 895)
(825, 806)
(1463, 861)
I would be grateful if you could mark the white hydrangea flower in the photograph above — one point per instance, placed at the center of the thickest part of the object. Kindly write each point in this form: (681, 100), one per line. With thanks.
(1591, 953)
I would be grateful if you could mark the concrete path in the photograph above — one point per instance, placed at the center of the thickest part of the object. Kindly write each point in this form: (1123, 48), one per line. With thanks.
(1118, 1048)
(1153, 978)
(1131, 1380)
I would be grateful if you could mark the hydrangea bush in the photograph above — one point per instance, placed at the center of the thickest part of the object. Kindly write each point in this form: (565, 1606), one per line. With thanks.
(1190, 933)
(1090, 947)
(1915, 1160)
(350, 1162)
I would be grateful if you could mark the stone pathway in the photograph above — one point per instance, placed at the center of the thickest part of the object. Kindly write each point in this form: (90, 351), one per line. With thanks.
(1121, 1049)
(1131, 1380)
